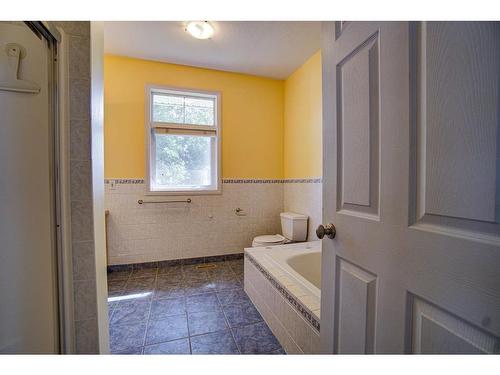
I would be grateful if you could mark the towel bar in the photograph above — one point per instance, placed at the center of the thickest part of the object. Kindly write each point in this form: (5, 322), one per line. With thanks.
(140, 201)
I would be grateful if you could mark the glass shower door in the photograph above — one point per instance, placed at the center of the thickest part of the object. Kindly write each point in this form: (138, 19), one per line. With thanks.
(29, 319)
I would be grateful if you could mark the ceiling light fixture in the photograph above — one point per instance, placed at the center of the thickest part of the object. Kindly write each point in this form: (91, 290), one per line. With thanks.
(200, 29)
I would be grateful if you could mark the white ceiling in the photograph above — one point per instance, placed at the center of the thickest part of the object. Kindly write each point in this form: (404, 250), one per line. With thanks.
(270, 49)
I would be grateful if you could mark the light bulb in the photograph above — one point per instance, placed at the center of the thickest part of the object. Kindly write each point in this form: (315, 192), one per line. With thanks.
(200, 29)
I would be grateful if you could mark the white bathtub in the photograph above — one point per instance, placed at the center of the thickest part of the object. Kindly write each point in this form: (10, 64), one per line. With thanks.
(301, 261)
(284, 282)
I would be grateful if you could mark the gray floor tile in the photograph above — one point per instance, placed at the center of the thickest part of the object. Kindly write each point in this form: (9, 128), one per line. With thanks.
(126, 336)
(160, 298)
(111, 307)
(170, 347)
(119, 275)
(131, 311)
(166, 280)
(232, 297)
(214, 343)
(168, 290)
(193, 270)
(255, 339)
(170, 278)
(278, 351)
(163, 270)
(221, 272)
(144, 272)
(206, 322)
(196, 276)
(238, 271)
(194, 287)
(235, 262)
(194, 267)
(227, 283)
(237, 266)
(116, 287)
(166, 307)
(218, 267)
(140, 285)
(241, 314)
(131, 351)
(202, 302)
(167, 329)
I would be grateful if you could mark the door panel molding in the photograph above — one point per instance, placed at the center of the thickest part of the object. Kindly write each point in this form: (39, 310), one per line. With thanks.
(356, 294)
(358, 103)
(454, 189)
(436, 331)
(340, 27)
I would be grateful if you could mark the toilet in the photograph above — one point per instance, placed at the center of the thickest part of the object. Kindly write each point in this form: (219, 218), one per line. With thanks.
(293, 227)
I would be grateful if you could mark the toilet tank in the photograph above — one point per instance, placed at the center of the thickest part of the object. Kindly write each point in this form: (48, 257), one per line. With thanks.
(294, 226)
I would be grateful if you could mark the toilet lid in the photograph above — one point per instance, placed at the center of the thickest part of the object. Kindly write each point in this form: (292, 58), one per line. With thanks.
(272, 238)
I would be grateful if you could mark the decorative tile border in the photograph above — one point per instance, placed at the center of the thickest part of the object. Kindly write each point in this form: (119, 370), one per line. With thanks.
(124, 181)
(293, 300)
(250, 181)
(174, 262)
(231, 181)
(271, 181)
(318, 180)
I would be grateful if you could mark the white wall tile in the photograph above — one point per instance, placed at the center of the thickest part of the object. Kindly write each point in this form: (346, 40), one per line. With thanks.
(208, 226)
(305, 198)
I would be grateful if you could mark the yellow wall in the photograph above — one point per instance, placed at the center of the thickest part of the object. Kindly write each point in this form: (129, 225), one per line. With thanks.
(252, 116)
(270, 128)
(303, 121)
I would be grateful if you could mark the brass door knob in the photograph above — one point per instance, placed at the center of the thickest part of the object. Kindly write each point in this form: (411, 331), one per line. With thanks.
(328, 230)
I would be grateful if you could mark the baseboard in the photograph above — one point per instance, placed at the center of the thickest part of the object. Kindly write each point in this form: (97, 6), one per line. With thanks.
(174, 262)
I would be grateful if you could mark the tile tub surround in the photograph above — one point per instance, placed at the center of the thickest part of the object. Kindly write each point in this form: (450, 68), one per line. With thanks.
(208, 226)
(185, 309)
(291, 314)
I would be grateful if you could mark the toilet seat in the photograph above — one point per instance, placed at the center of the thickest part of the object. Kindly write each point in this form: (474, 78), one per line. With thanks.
(268, 240)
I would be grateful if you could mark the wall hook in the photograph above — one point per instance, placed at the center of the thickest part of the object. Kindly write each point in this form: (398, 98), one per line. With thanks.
(15, 53)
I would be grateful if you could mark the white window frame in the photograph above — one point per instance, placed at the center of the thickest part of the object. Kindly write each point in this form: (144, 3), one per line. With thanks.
(174, 128)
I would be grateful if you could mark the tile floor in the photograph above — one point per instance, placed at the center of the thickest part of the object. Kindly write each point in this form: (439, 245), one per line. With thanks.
(186, 310)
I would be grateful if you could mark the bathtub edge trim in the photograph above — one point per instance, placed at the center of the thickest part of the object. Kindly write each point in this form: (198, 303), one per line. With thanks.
(294, 301)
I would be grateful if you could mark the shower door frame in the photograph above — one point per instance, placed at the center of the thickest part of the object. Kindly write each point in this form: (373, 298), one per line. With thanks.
(59, 176)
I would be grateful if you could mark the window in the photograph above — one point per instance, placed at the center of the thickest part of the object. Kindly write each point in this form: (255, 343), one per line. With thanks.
(183, 141)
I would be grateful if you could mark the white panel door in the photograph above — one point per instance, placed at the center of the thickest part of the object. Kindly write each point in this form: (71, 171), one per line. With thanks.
(28, 283)
(412, 184)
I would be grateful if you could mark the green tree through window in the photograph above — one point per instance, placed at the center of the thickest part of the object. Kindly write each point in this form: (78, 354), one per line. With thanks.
(182, 160)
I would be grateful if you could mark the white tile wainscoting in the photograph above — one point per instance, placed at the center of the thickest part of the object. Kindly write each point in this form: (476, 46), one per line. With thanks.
(305, 198)
(208, 225)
